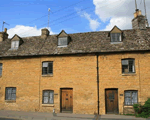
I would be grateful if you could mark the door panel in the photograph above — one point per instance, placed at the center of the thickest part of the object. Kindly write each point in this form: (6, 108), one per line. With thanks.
(111, 101)
(66, 100)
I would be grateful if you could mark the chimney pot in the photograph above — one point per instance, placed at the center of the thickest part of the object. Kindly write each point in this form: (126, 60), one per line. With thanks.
(138, 21)
(3, 35)
(45, 33)
(5, 30)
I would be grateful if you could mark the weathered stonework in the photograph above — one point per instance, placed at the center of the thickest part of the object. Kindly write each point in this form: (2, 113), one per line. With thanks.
(77, 72)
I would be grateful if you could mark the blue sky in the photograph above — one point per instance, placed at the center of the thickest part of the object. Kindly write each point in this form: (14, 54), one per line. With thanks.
(28, 17)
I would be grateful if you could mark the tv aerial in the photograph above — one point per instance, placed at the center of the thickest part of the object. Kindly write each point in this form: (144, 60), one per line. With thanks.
(3, 25)
(48, 17)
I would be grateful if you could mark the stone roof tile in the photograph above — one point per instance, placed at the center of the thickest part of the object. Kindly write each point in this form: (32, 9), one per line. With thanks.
(89, 42)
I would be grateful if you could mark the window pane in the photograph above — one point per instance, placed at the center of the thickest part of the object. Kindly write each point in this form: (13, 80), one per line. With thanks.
(45, 64)
(115, 37)
(124, 68)
(45, 100)
(9, 96)
(9, 90)
(44, 70)
(51, 97)
(16, 44)
(13, 90)
(0, 69)
(50, 68)
(130, 97)
(6, 96)
(131, 64)
(46, 93)
(127, 94)
(124, 62)
(13, 44)
(127, 98)
(134, 97)
(13, 96)
(118, 37)
(127, 101)
(47, 68)
(62, 41)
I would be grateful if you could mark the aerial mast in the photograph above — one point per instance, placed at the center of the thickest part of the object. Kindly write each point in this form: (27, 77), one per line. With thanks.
(146, 20)
(48, 17)
(135, 5)
(3, 25)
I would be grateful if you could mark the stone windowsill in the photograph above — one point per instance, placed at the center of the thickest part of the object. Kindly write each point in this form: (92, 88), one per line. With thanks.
(130, 106)
(10, 101)
(47, 105)
(62, 46)
(119, 42)
(48, 75)
(128, 74)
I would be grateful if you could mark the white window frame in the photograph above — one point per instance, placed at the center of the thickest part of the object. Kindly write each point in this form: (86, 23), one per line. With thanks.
(59, 39)
(49, 97)
(125, 62)
(14, 44)
(128, 99)
(9, 92)
(115, 35)
(46, 64)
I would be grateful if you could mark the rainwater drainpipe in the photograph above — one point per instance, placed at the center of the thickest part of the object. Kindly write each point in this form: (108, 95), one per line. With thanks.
(97, 84)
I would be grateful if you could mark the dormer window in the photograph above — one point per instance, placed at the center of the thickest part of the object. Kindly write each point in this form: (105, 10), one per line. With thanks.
(115, 37)
(63, 41)
(14, 44)
(16, 41)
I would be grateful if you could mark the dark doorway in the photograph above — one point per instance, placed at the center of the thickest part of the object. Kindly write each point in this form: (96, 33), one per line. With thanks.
(66, 100)
(111, 100)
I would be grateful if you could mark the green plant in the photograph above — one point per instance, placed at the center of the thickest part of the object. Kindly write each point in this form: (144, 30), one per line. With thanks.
(142, 111)
(138, 108)
(146, 109)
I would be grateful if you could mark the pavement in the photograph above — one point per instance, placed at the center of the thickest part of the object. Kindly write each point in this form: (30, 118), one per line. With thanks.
(21, 115)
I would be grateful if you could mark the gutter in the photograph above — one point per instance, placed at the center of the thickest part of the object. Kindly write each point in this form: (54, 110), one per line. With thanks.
(97, 84)
(82, 53)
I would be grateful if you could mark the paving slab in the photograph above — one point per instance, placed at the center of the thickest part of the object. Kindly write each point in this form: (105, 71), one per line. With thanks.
(13, 115)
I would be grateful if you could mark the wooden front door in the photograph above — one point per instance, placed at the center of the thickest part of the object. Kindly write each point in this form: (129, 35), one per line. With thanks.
(66, 100)
(111, 96)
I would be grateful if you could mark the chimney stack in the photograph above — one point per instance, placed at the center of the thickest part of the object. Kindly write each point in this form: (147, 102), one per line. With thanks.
(139, 21)
(3, 35)
(45, 33)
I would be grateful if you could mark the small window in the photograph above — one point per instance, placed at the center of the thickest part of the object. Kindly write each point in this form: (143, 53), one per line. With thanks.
(63, 41)
(1, 67)
(48, 97)
(14, 44)
(47, 68)
(128, 66)
(10, 93)
(131, 97)
(115, 37)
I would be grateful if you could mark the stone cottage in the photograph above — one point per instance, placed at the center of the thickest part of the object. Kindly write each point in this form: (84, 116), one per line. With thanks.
(83, 73)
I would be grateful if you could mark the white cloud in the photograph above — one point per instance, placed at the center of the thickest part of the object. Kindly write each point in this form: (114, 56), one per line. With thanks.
(120, 12)
(24, 31)
(94, 24)
(121, 22)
